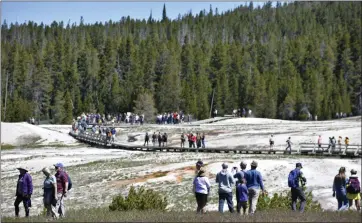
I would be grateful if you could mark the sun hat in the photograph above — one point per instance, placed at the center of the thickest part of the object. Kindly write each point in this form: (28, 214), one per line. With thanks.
(46, 170)
(23, 168)
(254, 163)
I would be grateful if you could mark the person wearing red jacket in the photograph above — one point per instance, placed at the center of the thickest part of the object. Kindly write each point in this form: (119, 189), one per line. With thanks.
(193, 138)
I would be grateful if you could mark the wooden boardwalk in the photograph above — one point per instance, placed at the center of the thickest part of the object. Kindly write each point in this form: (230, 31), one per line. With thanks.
(310, 149)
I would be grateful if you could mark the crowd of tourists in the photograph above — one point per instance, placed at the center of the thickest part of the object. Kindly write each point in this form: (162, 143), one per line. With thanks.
(173, 118)
(195, 141)
(249, 185)
(132, 118)
(244, 112)
(98, 119)
(331, 145)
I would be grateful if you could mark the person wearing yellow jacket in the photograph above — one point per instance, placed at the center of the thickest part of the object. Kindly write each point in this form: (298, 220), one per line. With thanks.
(354, 190)
(346, 142)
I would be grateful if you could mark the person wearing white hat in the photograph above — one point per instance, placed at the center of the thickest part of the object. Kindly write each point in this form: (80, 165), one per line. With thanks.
(354, 190)
(24, 190)
(50, 193)
(201, 188)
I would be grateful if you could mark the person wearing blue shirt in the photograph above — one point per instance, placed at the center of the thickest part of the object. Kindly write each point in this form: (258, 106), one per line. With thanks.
(297, 182)
(241, 196)
(238, 177)
(254, 183)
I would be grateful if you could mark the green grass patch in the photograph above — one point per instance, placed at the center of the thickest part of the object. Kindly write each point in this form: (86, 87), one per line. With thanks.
(7, 147)
(104, 215)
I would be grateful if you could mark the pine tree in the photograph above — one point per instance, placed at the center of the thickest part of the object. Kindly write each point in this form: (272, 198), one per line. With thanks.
(58, 112)
(164, 15)
(68, 109)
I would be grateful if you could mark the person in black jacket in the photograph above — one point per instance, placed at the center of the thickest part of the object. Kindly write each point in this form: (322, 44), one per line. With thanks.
(154, 137)
(159, 139)
(147, 138)
(164, 139)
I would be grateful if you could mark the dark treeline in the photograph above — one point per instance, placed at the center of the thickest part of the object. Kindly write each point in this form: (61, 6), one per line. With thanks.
(279, 61)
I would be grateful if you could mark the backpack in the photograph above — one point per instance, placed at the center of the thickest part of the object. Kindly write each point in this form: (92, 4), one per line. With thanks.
(354, 186)
(293, 178)
(69, 182)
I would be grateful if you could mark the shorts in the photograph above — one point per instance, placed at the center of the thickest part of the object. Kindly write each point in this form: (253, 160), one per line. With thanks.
(354, 196)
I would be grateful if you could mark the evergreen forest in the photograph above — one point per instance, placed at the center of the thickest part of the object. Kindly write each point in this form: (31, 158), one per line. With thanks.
(278, 61)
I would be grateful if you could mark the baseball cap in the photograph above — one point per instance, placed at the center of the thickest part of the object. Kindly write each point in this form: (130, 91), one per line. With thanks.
(59, 165)
(299, 165)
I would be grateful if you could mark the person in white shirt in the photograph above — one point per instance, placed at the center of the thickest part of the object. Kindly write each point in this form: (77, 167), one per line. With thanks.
(201, 188)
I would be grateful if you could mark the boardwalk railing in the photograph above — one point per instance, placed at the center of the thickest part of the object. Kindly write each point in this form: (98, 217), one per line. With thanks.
(336, 149)
(304, 148)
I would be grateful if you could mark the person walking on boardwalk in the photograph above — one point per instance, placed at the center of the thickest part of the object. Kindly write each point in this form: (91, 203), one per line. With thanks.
(198, 140)
(159, 138)
(354, 190)
(339, 189)
(113, 132)
(201, 188)
(225, 181)
(203, 140)
(333, 145)
(154, 137)
(340, 143)
(254, 182)
(296, 181)
(24, 190)
(271, 142)
(183, 140)
(189, 137)
(50, 194)
(147, 139)
(289, 146)
(346, 143)
(193, 138)
(62, 188)
(164, 139)
(320, 142)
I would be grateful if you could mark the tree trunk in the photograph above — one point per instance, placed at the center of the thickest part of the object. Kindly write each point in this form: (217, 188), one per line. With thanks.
(6, 94)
